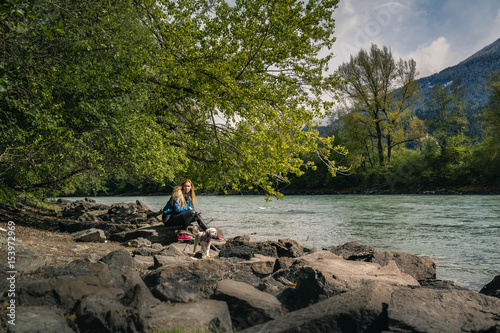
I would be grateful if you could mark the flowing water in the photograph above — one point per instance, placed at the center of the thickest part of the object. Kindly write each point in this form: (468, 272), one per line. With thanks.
(460, 232)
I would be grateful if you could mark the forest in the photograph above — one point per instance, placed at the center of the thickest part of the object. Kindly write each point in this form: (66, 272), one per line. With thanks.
(113, 97)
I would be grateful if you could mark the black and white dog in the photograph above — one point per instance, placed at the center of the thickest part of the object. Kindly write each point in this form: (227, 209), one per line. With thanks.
(204, 239)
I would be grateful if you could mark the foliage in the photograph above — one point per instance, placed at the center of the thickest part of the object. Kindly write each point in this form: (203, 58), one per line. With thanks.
(381, 91)
(487, 156)
(159, 90)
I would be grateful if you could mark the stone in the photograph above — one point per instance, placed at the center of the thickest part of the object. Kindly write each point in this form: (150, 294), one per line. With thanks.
(90, 235)
(246, 250)
(25, 263)
(323, 274)
(123, 209)
(209, 315)
(160, 260)
(95, 313)
(119, 258)
(248, 306)
(421, 268)
(288, 248)
(353, 251)
(64, 291)
(79, 267)
(260, 264)
(144, 262)
(437, 310)
(40, 320)
(492, 288)
(359, 310)
(156, 234)
(187, 282)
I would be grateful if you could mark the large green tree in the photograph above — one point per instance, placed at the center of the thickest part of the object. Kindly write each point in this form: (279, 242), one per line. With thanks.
(226, 94)
(380, 91)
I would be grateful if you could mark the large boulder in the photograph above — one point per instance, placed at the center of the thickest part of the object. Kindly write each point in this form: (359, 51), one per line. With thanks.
(381, 307)
(205, 315)
(97, 313)
(288, 248)
(63, 291)
(492, 288)
(421, 268)
(241, 247)
(187, 282)
(442, 310)
(248, 306)
(323, 274)
(359, 310)
(40, 320)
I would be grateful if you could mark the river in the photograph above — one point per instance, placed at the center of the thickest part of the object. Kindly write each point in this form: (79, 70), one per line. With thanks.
(460, 232)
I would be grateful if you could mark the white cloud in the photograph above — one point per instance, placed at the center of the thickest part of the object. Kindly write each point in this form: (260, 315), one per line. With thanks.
(432, 58)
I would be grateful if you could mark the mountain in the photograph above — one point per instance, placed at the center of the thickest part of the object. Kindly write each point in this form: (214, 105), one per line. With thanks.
(472, 71)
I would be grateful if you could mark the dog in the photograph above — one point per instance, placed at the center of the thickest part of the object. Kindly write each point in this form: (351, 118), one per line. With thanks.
(204, 239)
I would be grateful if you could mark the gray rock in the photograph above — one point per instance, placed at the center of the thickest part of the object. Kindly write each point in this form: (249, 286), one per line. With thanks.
(421, 268)
(64, 291)
(187, 282)
(197, 279)
(247, 305)
(381, 307)
(323, 274)
(144, 262)
(435, 310)
(359, 310)
(241, 248)
(95, 313)
(208, 315)
(90, 235)
(25, 264)
(145, 251)
(89, 217)
(79, 267)
(156, 234)
(40, 320)
(123, 209)
(492, 288)
(135, 292)
(160, 260)
(288, 248)
(259, 264)
(353, 251)
(119, 258)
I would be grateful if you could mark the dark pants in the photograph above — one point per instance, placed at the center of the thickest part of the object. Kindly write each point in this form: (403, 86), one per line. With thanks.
(184, 219)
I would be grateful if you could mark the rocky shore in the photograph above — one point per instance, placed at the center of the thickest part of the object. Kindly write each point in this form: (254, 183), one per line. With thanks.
(123, 271)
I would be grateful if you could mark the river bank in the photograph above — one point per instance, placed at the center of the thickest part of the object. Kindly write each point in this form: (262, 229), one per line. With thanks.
(289, 285)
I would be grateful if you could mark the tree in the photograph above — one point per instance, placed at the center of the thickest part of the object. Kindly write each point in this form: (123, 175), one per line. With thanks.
(448, 123)
(489, 152)
(382, 91)
(161, 90)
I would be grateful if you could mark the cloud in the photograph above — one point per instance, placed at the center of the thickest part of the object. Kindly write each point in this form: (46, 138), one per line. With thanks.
(432, 58)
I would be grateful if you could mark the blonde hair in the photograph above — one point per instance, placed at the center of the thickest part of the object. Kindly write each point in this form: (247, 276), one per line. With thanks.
(178, 194)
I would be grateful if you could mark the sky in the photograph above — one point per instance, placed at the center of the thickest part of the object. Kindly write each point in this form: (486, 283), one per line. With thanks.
(435, 33)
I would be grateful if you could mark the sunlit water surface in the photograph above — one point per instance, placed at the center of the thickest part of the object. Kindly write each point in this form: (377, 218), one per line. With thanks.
(460, 232)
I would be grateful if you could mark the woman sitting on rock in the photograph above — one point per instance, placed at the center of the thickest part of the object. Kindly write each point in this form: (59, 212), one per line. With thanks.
(179, 210)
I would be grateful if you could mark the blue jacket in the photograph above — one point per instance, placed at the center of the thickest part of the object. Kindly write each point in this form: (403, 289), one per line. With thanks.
(176, 208)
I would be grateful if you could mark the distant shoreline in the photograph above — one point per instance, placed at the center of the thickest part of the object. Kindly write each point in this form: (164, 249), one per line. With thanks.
(457, 191)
